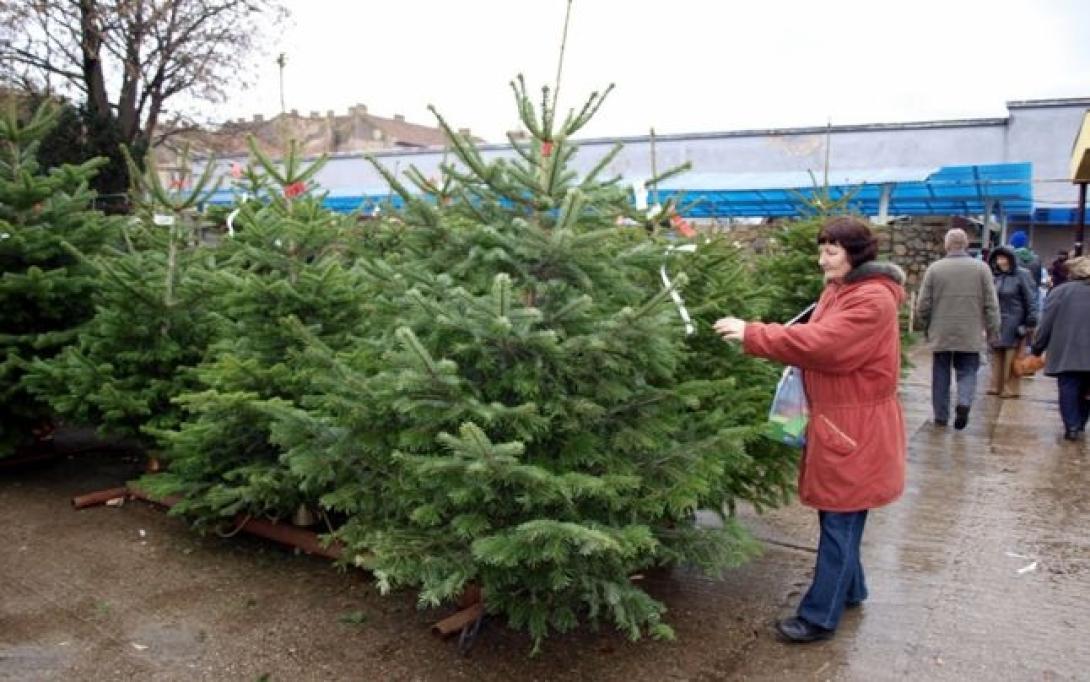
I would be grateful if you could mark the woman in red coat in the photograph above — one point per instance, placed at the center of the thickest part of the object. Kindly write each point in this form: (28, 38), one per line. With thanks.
(850, 356)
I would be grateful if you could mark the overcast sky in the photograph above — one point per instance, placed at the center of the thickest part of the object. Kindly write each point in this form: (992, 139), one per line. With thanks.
(678, 65)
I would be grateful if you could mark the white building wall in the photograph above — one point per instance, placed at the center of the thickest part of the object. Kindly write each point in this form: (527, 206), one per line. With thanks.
(1040, 132)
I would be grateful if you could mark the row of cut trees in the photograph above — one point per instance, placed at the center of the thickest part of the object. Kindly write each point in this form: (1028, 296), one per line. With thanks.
(489, 387)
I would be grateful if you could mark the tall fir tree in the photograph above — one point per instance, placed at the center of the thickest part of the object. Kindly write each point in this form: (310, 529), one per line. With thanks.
(723, 280)
(528, 414)
(152, 323)
(790, 269)
(789, 266)
(288, 260)
(45, 290)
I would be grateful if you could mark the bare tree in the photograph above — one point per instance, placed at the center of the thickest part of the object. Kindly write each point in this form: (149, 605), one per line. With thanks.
(124, 60)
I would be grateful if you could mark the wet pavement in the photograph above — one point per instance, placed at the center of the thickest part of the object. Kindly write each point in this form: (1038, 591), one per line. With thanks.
(981, 572)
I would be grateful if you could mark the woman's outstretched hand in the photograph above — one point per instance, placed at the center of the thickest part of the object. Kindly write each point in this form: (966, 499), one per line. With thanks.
(730, 328)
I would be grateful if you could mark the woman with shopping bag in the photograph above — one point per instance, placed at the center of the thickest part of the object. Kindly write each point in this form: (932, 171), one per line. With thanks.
(854, 458)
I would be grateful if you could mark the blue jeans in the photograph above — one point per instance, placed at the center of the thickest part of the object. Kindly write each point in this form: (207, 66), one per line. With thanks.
(838, 574)
(966, 366)
(1074, 406)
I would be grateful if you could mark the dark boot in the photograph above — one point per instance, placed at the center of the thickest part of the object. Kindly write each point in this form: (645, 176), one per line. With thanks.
(961, 417)
(799, 631)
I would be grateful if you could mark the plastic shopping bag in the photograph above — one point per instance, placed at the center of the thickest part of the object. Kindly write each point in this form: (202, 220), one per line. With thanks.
(790, 412)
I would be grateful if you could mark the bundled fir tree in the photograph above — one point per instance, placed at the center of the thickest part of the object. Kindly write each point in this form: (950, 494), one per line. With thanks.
(45, 290)
(722, 279)
(790, 268)
(152, 324)
(790, 264)
(527, 413)
(288, 259)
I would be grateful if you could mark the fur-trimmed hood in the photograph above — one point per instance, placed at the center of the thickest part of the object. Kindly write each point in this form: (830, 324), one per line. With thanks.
(882, 273)
(876, 268)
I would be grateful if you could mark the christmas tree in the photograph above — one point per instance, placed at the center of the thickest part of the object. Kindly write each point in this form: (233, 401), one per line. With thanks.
(790, 263)
(152, 324)
(790, 268)
(524, 410)
(45, 289)
(287, 260)
(722, 280)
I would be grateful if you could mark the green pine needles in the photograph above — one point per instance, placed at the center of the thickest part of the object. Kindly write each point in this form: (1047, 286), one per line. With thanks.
(151, 325)
(45, 288)
(490, 387)
(523, 410)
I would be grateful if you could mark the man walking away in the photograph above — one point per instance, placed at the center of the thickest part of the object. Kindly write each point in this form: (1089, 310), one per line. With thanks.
(957, 305)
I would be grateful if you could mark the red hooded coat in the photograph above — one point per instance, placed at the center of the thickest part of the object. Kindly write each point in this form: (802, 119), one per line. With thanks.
(850, 356)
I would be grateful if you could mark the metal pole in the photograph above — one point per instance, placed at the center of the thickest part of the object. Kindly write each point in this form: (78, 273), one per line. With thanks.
(1080, 221)
(883, 203)
(986, 219)
(654, 172)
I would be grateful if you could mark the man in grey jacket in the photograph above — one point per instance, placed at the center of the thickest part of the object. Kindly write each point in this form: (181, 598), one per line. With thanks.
(958, 309)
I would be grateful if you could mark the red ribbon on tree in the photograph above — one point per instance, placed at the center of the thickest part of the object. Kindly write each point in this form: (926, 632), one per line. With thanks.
(236, 170)
(547, 148)
(681, 225)
(294, 189)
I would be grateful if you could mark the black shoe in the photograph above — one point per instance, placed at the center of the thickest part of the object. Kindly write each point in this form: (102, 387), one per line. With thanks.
(1072, 434)
(853, 604)
(798, 631)
(941, 422)
(961, 417)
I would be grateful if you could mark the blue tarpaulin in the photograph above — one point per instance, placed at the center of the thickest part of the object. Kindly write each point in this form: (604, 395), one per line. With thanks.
(949, 190)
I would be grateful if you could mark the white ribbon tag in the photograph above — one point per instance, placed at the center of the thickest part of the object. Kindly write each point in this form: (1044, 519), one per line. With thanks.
(234, 214)
(162, 219)
(678, 301)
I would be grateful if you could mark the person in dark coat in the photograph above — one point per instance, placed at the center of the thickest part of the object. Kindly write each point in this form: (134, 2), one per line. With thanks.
(1064, 338)
(1017, 318)
(854, 459)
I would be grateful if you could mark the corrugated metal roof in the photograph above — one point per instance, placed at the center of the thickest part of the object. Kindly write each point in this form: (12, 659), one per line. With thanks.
(792, 179)
(950, 190)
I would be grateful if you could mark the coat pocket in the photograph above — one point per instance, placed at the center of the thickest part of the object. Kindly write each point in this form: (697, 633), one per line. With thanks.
(833, 437)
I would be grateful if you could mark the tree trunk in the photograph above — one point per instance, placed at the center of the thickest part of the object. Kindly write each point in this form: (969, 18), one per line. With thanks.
(128, 115)
(98, 101)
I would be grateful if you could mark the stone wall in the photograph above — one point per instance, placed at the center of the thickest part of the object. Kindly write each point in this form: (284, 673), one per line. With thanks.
(912, 244)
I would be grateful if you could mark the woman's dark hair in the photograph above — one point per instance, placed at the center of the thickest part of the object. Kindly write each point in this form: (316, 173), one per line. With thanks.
(851, 234)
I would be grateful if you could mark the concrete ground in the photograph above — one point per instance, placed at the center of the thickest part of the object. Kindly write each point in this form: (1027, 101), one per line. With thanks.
(981, 572)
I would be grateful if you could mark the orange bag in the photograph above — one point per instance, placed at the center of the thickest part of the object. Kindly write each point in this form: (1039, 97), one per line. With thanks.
(1026, 365)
